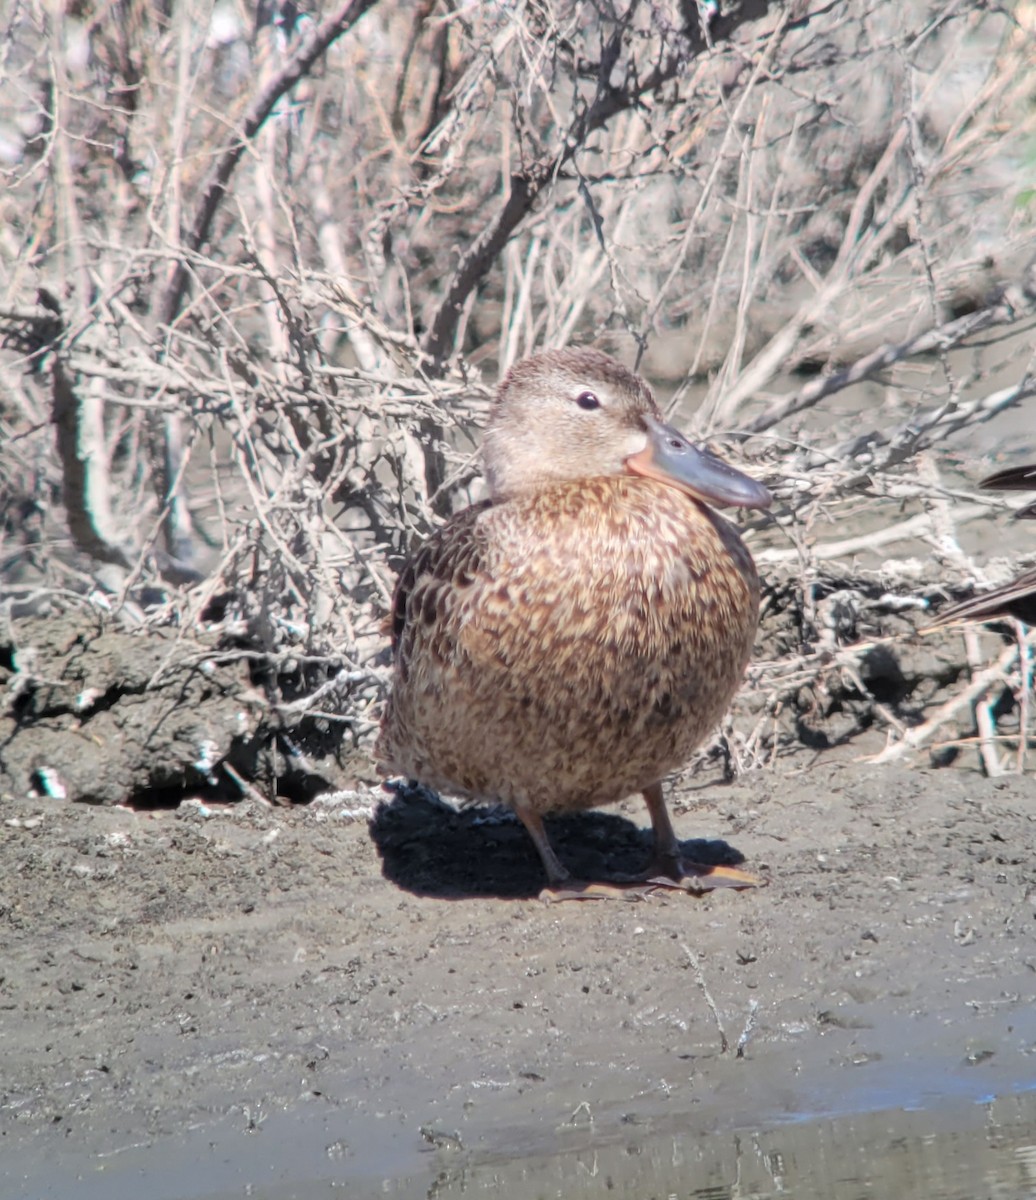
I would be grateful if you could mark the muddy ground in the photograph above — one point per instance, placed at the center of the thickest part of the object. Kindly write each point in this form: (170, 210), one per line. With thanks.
(285, 994)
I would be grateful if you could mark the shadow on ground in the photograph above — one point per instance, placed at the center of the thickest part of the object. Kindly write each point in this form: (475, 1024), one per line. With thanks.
(431, 849)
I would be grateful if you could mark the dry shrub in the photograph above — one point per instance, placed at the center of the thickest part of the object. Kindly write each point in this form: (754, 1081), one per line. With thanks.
(259, 268)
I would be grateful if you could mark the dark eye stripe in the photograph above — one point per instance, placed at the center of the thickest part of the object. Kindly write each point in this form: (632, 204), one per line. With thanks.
(588, 401)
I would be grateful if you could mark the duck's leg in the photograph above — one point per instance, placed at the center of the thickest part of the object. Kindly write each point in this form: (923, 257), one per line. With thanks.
(669, 868)
(533, 822)
(560, 884)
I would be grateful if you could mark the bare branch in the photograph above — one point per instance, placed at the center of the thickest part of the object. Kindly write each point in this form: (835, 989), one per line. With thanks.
(214, 189)
(525, 186)
(1011, 304)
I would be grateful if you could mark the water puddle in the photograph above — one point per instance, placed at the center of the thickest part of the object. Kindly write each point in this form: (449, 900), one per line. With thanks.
(962, 1151)
(983, 1151)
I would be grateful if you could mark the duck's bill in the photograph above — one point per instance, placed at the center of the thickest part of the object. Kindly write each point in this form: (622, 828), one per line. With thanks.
(671, 458)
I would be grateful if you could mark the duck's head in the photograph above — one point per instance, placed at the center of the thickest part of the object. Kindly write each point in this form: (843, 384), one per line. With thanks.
(579, 414)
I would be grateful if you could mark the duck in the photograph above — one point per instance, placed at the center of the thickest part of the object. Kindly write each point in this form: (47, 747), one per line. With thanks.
(570, 640)
(1016, 598)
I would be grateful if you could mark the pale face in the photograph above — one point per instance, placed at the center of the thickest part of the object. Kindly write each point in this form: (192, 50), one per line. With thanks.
(579, 414)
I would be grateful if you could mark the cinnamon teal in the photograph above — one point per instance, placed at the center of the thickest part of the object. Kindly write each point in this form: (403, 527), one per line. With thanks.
(571, 640)
(1018, 597)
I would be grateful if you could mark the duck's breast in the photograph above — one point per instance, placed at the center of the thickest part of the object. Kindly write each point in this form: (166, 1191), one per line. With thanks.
(573, 646)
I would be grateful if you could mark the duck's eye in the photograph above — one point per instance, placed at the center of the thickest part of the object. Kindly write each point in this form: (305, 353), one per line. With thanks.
(588, 401)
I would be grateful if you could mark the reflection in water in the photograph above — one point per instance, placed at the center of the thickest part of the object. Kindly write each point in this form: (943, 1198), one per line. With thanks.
(972, 1151)
(986, 1150)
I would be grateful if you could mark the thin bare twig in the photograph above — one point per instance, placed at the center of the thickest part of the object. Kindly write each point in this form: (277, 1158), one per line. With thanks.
(699, 978)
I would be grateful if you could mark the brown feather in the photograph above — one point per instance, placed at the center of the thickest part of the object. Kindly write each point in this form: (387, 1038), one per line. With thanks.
(1014, 599)
(1014, 479)
(1011, 479)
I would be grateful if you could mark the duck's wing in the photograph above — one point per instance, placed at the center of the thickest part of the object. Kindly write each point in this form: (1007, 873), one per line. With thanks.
(1014, 599)
(1014, 479)
(434, 574)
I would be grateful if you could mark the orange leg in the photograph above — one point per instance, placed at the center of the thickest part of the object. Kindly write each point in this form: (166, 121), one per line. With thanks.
(670, 869)
(533, 822)
(560, 884)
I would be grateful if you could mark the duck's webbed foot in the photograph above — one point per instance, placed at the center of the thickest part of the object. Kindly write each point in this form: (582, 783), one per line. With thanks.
(578, 889)
(670, 869)
(679, 875)
(685, 875)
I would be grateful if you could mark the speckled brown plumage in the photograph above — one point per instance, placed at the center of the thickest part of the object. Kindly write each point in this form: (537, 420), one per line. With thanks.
(572, 640)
